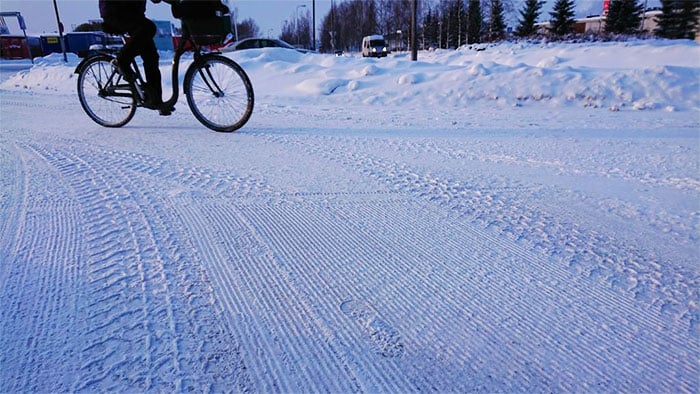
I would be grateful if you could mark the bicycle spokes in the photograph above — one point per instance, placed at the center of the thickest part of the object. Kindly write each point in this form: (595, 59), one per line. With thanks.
(101, 95)
(210, 81)
(219, 93)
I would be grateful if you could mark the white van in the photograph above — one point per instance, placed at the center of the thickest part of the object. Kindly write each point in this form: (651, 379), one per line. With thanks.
(374, 46)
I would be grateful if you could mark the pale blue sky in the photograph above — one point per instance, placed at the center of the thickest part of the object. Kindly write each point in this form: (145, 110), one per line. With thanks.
(40, 16)
(269, 14)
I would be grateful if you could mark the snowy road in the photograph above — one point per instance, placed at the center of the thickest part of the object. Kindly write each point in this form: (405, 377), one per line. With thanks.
(490, 250)
(147, 258)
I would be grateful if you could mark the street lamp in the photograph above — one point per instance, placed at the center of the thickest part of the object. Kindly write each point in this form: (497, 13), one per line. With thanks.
(297, 24)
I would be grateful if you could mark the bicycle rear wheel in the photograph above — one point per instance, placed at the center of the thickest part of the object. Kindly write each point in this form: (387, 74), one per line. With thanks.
(219, 93)
(104, 95)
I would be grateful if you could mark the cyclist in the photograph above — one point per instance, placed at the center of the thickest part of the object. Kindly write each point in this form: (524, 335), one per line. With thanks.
(129, 16)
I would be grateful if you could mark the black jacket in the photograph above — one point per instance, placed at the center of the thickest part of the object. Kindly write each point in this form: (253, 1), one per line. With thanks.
(122, 8)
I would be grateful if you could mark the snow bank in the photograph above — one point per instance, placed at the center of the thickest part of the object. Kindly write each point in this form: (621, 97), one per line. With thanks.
(641, 75)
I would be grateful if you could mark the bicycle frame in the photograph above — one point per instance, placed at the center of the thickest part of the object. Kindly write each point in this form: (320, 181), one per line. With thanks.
(218, 91)
(197, 54)
(111, 87)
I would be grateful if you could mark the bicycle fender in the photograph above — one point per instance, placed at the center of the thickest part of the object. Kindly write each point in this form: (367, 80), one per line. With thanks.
(80, 65)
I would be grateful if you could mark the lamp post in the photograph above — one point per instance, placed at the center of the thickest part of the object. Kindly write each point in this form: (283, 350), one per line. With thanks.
(297, 24)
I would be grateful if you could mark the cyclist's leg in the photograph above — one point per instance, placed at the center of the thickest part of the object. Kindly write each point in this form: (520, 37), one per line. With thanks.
(144, 46)
(126, 55)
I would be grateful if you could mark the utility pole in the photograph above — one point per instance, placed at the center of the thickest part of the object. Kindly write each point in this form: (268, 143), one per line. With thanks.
(414, 28)
(313, 27)
(60, 32)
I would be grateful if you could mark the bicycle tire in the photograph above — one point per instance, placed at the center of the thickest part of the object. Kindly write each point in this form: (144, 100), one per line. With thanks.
(219, 93)
(94, 85)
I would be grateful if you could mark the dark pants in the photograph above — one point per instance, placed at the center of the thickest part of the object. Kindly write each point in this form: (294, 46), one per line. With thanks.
(141, 32)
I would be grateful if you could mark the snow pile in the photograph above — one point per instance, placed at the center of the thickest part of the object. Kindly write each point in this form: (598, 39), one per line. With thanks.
(652, 75)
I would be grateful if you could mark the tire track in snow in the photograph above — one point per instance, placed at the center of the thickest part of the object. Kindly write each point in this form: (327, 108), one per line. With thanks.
(197, 179)
(116, 317)
(255, 286)
(137, 284)
(43, 259)
(336, 255)
(306, 243)
(14, 193)
(27, 100)
(507, 289)
(650, 281)
(612, 264)
(203, 182)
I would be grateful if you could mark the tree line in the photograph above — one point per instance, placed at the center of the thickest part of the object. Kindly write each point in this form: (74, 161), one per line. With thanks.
(453, 23)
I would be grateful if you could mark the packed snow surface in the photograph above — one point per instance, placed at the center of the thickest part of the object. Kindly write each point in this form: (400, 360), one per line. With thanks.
(521, 217)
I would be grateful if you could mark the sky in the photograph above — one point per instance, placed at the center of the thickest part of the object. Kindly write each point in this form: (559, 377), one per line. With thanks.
(268, 14)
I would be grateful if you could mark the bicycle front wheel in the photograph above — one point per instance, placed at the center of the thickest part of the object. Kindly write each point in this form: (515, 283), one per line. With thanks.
(104, 95)
(219, 93)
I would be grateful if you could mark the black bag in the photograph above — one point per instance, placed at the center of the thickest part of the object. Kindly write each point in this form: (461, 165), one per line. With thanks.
(199, 20)
(197, 8)
(204, 30)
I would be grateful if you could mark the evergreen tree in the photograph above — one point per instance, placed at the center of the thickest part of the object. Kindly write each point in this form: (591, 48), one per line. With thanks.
(624, 17)
(562, 21)
(497, 25)
(369, 23)
(690, 12)
(529, 15)
(667, 23)
(678, 18)
(247, 28)
(474, 22)
(430, 29)
(454, 23)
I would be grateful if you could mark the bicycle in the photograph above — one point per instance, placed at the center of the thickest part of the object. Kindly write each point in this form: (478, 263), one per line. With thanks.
(219, 92)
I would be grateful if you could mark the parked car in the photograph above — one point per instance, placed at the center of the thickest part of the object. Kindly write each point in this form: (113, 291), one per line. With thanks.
(253, 43)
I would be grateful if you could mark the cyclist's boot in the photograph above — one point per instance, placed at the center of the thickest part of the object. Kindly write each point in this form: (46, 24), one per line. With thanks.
(151, 98)
(125, 70)
(154, 100)
(165, 109)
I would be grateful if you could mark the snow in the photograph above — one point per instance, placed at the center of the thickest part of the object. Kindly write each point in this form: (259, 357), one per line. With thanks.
(519, 217)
